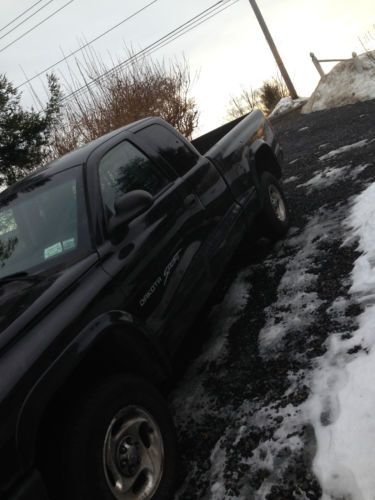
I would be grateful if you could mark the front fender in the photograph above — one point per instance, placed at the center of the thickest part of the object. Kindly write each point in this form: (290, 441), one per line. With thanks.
(118, 327)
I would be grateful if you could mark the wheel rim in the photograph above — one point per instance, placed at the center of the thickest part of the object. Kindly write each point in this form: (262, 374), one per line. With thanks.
(133, 455)
(277, 203)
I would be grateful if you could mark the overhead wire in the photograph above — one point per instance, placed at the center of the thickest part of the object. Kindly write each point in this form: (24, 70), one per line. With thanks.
(36, 26)
(86, 44)
(24, 21)
(181, 30)
(230, 2)
(20, 15)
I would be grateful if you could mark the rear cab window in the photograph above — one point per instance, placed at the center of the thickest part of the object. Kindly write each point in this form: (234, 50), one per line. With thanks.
(176, 151)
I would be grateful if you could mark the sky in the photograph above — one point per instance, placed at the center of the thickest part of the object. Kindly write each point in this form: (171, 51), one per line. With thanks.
(228, 53)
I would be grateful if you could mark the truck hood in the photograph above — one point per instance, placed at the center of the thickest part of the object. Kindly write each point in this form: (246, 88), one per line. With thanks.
(24, 299)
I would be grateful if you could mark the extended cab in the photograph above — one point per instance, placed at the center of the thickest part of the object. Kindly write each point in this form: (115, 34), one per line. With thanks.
(106, 256)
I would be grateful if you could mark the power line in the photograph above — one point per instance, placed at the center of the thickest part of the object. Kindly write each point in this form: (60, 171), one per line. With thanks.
(181, 30)
(194, 26)
(184, 28)
(29, 17)
(87, 44)
(20, 15)
(36, 26)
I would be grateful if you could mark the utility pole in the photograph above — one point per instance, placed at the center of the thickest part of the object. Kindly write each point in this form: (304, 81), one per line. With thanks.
(274, 50)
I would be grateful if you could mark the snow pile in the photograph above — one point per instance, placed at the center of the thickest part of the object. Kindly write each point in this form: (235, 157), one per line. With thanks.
(342, 407)
(287, 104)
(347, 83)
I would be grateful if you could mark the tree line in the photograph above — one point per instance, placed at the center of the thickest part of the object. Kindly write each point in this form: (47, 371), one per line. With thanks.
(69, 119)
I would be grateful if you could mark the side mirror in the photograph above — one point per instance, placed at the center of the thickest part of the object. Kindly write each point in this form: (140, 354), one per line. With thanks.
(129, 206)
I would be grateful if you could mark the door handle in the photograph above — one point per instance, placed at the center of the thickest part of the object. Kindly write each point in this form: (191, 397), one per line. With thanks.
(189, 200)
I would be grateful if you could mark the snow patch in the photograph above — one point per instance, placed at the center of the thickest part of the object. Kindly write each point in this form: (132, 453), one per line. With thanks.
(218, 460)
(337, 309)
(271, 454)
(297, 303)
(331, 175)
(287, 104)
(344, 149)
(291, 179)
(293, 161)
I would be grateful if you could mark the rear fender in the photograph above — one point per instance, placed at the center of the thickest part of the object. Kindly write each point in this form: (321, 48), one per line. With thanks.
(263, 159)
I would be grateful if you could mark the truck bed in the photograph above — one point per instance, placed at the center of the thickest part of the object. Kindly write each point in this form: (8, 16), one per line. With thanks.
(206, 141)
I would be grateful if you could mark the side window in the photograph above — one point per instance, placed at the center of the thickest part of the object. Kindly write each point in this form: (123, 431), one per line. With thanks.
(178, 153)
(125, 168)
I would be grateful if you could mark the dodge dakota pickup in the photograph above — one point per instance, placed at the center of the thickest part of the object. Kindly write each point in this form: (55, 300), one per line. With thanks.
(106, 256)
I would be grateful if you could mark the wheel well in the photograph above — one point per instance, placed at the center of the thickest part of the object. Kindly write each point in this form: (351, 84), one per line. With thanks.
(265, 160)
(117, 352)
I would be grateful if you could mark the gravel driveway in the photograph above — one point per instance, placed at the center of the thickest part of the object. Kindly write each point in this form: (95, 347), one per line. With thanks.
(240, 404)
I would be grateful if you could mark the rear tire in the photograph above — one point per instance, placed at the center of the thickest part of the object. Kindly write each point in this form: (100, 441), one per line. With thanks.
(120, 444)
(273, 222)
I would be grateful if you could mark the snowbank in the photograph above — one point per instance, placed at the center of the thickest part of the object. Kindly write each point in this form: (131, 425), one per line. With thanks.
(342, 408)
(347, 83)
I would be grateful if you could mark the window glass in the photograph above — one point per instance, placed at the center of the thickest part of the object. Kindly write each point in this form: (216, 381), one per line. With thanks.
(176, 151)
(125, 168)
(43, 220)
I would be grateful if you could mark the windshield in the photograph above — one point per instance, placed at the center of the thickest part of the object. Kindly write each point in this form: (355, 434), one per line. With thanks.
(43, 223)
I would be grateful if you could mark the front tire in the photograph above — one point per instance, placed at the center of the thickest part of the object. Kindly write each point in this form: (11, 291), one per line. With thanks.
(273, 222)
(120, 444)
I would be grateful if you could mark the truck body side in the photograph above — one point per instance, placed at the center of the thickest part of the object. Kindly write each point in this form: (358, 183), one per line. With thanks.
(127, 304)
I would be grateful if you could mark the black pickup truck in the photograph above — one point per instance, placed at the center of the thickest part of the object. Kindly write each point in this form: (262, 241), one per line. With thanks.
(106, 256)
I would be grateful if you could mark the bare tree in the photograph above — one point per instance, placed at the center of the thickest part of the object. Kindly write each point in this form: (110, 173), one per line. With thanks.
(124, 94)
(264, 98)
(243, 103)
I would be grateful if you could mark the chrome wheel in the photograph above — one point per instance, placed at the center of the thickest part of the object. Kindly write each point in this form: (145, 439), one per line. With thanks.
(277, 203)
(133, 455)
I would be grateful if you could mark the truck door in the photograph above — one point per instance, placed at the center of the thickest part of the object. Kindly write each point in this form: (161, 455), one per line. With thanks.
(222, 225)
(153, 253)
